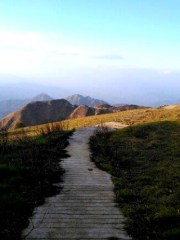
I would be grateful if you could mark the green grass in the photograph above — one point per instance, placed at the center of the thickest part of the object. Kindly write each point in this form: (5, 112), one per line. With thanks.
(142, 159)
(15, 207)
(144, 162)
(28, 167)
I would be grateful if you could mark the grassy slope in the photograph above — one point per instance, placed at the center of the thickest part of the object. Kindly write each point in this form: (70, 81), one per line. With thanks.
(28, 167)
(127, 117)
(144, 161)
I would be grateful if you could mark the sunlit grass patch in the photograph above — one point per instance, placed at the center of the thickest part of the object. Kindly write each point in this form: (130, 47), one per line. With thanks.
(132, 117)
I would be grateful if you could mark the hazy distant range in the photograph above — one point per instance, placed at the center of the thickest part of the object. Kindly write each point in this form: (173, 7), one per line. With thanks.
(126, 94)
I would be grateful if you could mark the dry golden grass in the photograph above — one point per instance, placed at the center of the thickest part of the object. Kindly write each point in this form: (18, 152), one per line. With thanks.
(132, 117)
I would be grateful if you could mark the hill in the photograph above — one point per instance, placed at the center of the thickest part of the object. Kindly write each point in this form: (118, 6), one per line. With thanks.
(130, 117)
(85, 111)
(3, 114)
(82, 111)
(151, 149)
(81, 100)
(12, 105)
(36, 113)
(41, 112)
(103, 106)
(119, 108)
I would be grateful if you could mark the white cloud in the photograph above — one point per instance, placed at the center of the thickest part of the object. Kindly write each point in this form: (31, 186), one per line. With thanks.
(48, 43)
(35, 53)
(165, 71)
(33, 41)
(19, 40)
(110, 57)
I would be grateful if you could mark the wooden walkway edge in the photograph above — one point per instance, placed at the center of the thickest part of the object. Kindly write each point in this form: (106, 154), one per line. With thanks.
(85, 208)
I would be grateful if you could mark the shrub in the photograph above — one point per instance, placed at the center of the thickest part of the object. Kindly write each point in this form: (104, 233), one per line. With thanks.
(19, 125)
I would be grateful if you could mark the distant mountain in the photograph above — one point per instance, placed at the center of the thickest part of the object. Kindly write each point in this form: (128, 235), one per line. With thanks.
(36, 113)
(103, 106)
(118, 107)
(10, 106)
(85, 111)
(13, 105)
(42, 97)
(41, 112)
(81, 100)
(82, 111)
(22, 90)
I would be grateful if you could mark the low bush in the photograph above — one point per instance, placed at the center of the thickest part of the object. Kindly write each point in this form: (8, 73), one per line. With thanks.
(19, 125)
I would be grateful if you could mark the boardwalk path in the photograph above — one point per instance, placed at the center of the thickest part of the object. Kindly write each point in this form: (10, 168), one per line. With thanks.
(85, 209)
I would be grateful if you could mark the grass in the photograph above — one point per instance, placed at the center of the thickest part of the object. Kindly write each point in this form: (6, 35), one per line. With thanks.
(28, 167)
(144, 162)
(150, 151)
(133, 117)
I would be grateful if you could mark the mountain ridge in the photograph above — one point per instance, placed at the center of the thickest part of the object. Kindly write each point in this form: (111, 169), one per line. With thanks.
(41, 112)
(78, 99)
(42, 97)
(36, 113)
(13, 105)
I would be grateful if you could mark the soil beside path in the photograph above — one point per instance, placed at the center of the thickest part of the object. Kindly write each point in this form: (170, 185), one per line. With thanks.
(85, 208)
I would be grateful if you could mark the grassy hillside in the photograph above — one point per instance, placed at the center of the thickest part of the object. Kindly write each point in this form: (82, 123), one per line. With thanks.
(132, 117)
(144, 161)
(28, 167)
(129, 117)
(143, 189)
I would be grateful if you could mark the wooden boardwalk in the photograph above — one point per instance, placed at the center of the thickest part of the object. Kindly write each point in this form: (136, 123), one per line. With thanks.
(85, 208)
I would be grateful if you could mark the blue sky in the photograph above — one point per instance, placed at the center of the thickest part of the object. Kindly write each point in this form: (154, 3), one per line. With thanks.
(70, 42)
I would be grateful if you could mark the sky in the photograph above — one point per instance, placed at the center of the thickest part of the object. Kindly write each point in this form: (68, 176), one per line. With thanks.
(81, 44)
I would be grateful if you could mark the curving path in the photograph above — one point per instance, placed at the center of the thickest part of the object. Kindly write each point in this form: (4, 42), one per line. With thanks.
(85, 208)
